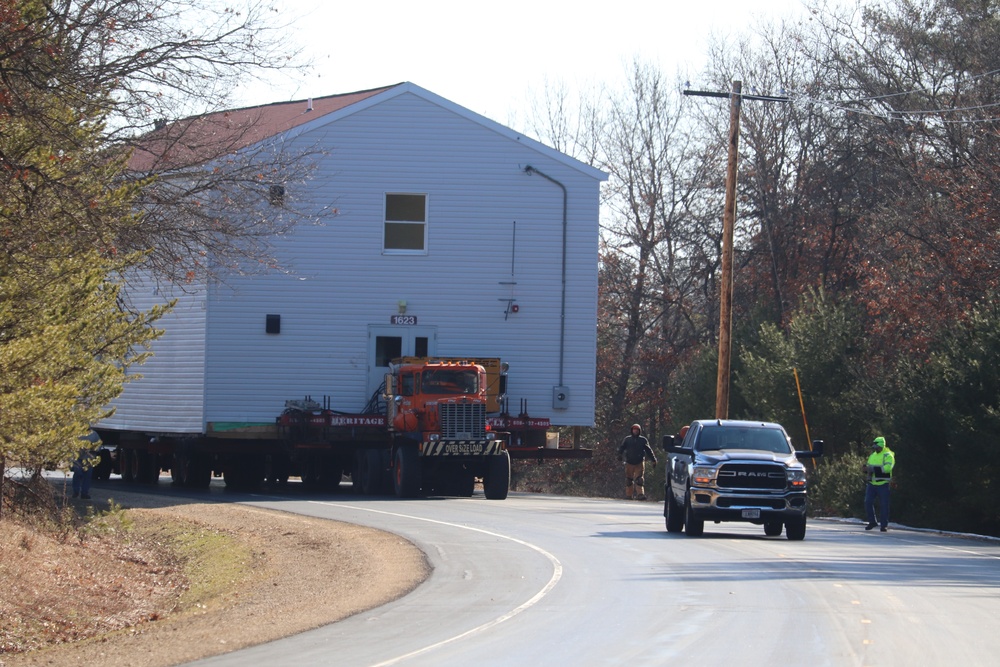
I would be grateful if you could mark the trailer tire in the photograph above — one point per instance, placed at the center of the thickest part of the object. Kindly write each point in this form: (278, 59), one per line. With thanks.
(129, 464)
(496, 482)
(772, 528)
(406, 477)
(201, 472)
(357, 470)
(372, 475)
(244, 475)
(102, 471)
(331, 475)
(180, 469)
(147, 467)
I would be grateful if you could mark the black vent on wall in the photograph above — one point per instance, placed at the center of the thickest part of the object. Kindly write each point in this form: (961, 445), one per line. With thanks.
(272, 324)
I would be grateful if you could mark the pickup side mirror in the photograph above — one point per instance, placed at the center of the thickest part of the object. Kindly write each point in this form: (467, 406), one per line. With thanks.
(817, 451)
(668, 442)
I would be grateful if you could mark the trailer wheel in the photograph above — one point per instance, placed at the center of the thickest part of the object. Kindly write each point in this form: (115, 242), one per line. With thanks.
(145, 466)
(372, 475)
(243, 475)
(277, 467)
(102, 470)
(496, 483)
(357, 468)
(200, 472)
(772, 528)
(331, 475)
(407, 471)
(180, 469)
(129, 465)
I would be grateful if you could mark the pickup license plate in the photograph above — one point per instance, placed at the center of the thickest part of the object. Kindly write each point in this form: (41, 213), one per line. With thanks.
(751, 514)
(463, 448)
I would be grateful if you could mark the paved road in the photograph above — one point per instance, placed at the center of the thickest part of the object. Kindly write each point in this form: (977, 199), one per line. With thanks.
(561, 581)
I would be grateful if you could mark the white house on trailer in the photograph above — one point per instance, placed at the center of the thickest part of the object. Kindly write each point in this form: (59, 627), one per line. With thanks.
(455, 236)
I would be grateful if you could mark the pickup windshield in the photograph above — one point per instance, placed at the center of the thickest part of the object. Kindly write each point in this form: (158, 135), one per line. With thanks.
(735, 437)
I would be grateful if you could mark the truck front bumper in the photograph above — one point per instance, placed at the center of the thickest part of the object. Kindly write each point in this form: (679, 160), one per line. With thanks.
(713, 505)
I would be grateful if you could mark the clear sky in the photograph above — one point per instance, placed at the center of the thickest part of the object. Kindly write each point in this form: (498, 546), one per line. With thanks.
(492, 57)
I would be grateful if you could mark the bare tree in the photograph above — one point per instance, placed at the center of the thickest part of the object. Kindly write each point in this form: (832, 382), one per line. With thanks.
(157, 72)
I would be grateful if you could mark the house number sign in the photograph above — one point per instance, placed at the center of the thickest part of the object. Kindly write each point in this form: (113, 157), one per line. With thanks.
(403, 319)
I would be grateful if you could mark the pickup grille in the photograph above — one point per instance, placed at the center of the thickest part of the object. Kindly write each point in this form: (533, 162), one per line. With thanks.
(760, 476)
(463, 421)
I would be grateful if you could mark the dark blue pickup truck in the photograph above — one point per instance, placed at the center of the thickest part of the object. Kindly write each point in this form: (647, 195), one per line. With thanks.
(729, 470)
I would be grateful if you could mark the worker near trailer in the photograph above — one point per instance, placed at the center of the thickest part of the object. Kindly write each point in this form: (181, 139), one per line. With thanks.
(83, 464)
(634, 451)
(878, 470)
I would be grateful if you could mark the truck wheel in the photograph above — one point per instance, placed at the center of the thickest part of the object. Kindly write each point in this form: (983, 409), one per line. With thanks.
(795, 529)
(672, 512)
(692, 527)
(496, 482)
(772, 528)
(406, 479)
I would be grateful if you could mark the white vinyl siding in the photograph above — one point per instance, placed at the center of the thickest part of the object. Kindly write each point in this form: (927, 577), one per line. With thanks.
(170, 394)
(494, 234)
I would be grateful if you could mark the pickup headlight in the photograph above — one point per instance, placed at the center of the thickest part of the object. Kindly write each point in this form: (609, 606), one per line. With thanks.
(703, 475)
(797, 478)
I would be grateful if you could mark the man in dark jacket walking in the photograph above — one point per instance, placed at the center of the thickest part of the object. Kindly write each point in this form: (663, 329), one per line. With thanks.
(634, 451)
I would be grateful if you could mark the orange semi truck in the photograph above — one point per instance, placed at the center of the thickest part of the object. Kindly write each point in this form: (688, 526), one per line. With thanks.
(436, 427)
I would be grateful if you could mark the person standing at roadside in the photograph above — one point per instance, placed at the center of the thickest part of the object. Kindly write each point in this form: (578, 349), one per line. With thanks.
(83, 471)
(634, 451)
(878, 469)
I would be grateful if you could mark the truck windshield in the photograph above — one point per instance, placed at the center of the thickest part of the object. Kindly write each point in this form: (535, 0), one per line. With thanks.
(450, 381)
(735, 437)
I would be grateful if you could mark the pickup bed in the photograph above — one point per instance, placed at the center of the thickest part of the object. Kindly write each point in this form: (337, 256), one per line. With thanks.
(729, 470)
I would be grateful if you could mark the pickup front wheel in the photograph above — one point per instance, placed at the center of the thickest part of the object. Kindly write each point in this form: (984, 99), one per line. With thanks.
(674, 513)
(692, 527)
(795, 529)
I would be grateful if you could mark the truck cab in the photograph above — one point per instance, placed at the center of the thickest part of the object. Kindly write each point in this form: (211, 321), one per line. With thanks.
(436, 416)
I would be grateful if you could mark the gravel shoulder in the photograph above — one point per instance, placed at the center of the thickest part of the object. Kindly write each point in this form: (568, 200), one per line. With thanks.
(295, 573)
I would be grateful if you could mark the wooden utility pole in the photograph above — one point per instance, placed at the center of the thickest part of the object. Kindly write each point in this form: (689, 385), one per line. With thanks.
(726, 283)
(728, 223)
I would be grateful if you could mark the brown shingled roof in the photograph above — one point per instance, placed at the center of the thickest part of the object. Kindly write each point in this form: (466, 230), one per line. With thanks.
(201, 138)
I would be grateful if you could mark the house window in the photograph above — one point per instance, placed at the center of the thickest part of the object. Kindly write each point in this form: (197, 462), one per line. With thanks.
(405, 223)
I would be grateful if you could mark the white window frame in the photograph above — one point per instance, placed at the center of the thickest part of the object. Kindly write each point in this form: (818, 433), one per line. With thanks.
(386, 222)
